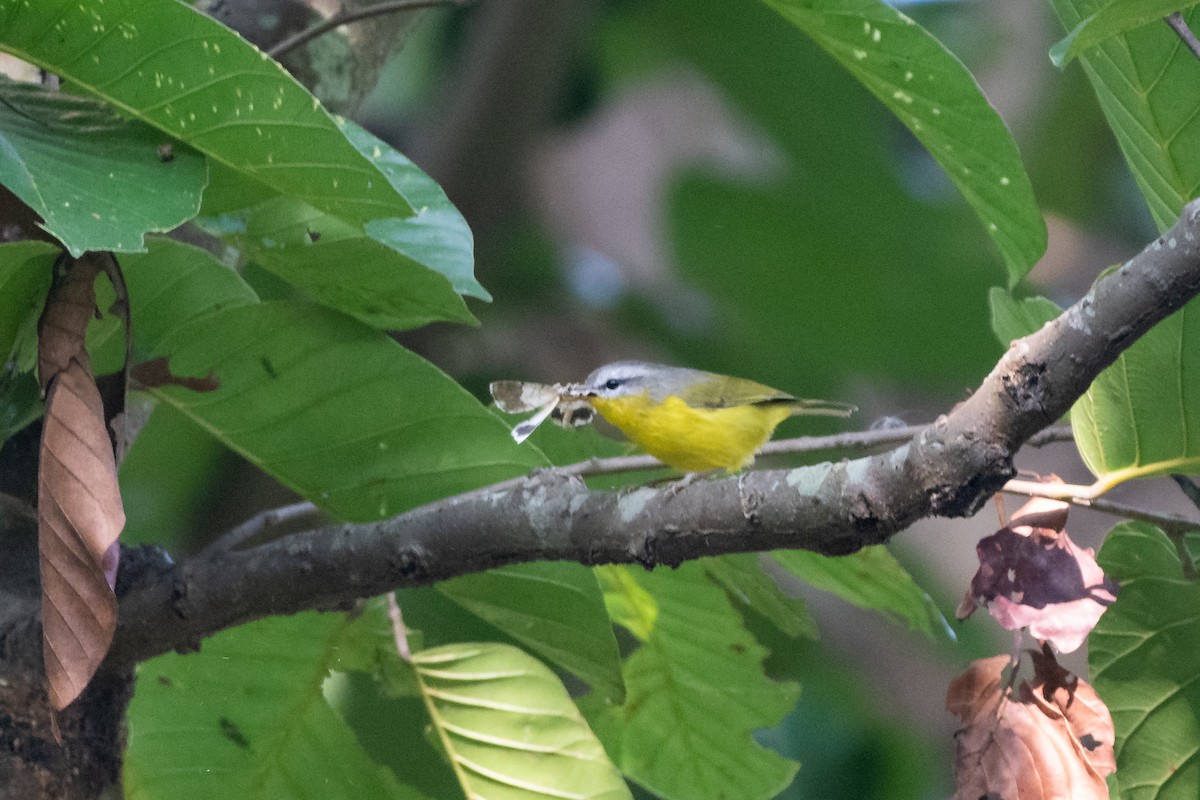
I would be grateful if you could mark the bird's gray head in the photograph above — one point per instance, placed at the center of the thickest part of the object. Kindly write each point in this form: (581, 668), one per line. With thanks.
(620, 378)
(625, 378)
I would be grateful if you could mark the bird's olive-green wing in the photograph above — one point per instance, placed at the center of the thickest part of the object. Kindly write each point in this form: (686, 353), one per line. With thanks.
(709, 390)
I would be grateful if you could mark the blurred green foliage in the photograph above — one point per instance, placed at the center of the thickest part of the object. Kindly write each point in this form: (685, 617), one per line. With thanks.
(852, 266)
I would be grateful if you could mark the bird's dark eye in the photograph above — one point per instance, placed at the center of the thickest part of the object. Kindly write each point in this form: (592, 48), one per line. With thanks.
(612, 383)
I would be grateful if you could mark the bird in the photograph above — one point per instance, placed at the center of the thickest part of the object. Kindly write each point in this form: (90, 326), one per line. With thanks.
(692, 420)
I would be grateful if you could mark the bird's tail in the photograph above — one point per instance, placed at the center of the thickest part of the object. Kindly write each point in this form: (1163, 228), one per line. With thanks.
(820, 408)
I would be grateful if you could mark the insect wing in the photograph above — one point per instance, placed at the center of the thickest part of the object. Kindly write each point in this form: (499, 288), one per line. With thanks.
(524, 429)
(518, 397)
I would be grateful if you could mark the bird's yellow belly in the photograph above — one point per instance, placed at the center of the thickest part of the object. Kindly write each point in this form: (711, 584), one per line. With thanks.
(693, 439)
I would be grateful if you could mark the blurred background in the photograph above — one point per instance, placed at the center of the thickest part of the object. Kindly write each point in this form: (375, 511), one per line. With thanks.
(693, 181)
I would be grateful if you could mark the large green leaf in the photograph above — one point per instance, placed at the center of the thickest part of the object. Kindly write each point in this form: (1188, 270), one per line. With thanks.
(437, 236)
(246, 718)
(168, 65)
(1145, 80)
(169, 285)
(393, 273)
(935, 96)
(97, 181)
(353, 421)
(1144, 656)
(1137, 418)
(695, 693)
(337, 411)
(1116, 17)
(339, 265)
(554, 608)
(1141, 416)
(871, 578)
(325, 213)
(509, 728)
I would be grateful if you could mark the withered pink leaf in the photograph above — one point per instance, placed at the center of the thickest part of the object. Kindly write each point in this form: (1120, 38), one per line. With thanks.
(80, 515)
(1050, 738)
(1031, 575)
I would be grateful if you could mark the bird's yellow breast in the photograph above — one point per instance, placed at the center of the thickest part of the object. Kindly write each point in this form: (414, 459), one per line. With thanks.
(693, 439)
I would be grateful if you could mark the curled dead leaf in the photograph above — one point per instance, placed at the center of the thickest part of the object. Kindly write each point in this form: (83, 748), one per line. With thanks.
(80, 515)
(69, 308)
(1031, 575)
(1051, 737)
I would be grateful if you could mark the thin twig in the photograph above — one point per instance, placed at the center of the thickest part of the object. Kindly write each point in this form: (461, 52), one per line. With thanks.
(1186, 561)
(1178, 24)
(855, 441)
(1167, 522)
(399, 629)
(258, 524)
(1055, 433)
(348, 15)
(1189, 488)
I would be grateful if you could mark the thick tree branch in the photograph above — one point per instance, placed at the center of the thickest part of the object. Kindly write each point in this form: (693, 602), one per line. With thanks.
(949, 468)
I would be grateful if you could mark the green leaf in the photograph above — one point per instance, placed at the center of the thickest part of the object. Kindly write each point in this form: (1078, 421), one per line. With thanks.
(1136, 420)
(872, 579)
(629, 605)
(1143, 655)
(438, 237)
(1013, 318)
(97, 181)
(25, 272)
(509, 727)
(340, 265)
(329, 218)
(743, 579)
(246, 718)
(337, 411)
(933, 94)
(170, 508)
(1140, 416)
(1145, 82)
(170, 284)
(554, 608)
(392, 274)
(173, 68)
(1116, 17)
(295, 380)
(696, 692)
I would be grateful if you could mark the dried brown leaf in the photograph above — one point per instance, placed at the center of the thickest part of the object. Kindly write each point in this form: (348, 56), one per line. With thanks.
(1032, 575)
(63, 325)
(1052, 738)
(157, 372)
(80, 515)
